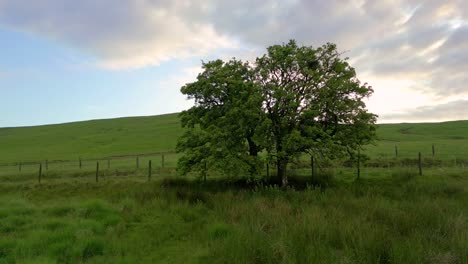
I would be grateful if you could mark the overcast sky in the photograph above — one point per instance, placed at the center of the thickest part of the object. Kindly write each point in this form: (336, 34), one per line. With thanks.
(68, 60)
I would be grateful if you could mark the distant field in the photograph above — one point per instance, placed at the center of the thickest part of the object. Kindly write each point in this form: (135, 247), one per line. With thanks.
(134, 135)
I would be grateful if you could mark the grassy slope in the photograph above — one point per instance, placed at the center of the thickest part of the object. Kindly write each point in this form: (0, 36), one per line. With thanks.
(450, 140)
(102, 138)
(90, 139)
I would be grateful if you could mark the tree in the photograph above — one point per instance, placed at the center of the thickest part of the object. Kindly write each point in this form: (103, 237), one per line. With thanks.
(313, 102)
(221, 127)
(293, 100)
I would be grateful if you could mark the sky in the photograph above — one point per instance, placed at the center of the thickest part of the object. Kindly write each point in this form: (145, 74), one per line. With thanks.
(67, 60)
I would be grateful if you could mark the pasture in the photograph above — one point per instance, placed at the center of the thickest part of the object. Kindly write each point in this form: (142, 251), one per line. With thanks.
(390, 215)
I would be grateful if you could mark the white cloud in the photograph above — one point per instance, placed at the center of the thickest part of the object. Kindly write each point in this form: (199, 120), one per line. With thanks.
(453, 110)
(413, 51)
(123, 34)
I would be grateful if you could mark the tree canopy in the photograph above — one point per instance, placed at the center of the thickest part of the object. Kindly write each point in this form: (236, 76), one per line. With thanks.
(292, 100)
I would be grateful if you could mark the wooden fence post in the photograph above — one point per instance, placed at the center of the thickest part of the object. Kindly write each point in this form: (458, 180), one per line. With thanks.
(433, 150)
(138, 162)
(20, 165)
(79, 163)
(40, 172)
(97, 171)
(162, 160)
(420, 164)
(47, 165)
(149, 170)
(396, 151)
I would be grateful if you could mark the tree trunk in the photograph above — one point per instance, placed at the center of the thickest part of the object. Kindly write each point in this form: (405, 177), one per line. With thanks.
(253, 149)
(281, 171)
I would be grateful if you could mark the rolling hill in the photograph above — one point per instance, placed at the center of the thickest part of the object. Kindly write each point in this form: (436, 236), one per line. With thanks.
(90, 139)
(132, 135)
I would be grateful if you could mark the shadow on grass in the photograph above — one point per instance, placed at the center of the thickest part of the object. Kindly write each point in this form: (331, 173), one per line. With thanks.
(224, 184)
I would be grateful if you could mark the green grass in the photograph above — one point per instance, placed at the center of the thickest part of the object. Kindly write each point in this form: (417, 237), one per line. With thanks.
(449, 138)
(90, 139)
(390, 215)
(393, 218)
(113, 137)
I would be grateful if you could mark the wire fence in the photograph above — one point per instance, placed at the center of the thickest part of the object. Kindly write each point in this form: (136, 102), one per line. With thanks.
(145, 166)
(106, 166)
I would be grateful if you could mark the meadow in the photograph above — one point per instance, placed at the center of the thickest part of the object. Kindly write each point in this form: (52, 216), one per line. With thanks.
(390, 215)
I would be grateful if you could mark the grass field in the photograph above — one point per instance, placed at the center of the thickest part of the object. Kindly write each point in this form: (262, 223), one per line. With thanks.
(90, 139)
(103, 138)
(449, 138)
(388, 220)
(390, 215)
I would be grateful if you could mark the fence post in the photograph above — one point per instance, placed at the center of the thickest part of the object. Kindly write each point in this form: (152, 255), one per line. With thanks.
(396, 151)
(40, 172)
(149, 171)
(433, 150)
(138, 162)
(97, 171)
(420, 164)
(162, 160)
(20, 165)
(79, 163)
(47, 165)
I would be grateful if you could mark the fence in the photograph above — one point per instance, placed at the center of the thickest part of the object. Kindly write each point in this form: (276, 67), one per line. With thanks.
(140, 165)
(147, 165)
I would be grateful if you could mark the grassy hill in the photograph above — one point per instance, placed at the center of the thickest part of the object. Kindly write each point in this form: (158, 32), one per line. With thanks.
(450, 140)
(90, 139)
(132, 135)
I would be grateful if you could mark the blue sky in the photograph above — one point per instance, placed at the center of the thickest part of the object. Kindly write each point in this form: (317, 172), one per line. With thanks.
(43, 82)
(64, 60)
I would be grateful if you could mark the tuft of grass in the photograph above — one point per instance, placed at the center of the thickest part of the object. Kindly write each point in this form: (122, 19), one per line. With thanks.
(92, 248)
(404, 174)
(219, 231)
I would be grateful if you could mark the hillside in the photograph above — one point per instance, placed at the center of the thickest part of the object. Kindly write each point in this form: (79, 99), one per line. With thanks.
(102, 138)
(90, 139)
(449, 138)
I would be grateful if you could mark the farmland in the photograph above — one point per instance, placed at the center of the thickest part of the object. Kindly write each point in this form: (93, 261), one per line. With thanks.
(390, 215)
(134, 135)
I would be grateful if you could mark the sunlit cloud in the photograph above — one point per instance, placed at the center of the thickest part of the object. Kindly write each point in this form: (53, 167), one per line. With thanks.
(414, 53)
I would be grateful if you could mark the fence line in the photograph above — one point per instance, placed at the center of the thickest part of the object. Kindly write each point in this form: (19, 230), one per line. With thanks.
(80, 160)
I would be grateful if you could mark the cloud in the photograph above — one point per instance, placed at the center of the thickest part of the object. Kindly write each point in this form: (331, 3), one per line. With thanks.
(141, 32)
(423, 43)
(455, 110)
(123, 34)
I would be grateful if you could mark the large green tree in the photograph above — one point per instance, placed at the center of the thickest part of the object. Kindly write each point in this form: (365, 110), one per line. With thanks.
(222, 126)
(292, 100)
(313, 102)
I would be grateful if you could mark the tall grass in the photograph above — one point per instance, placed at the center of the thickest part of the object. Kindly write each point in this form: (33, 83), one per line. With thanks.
(403, 218)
